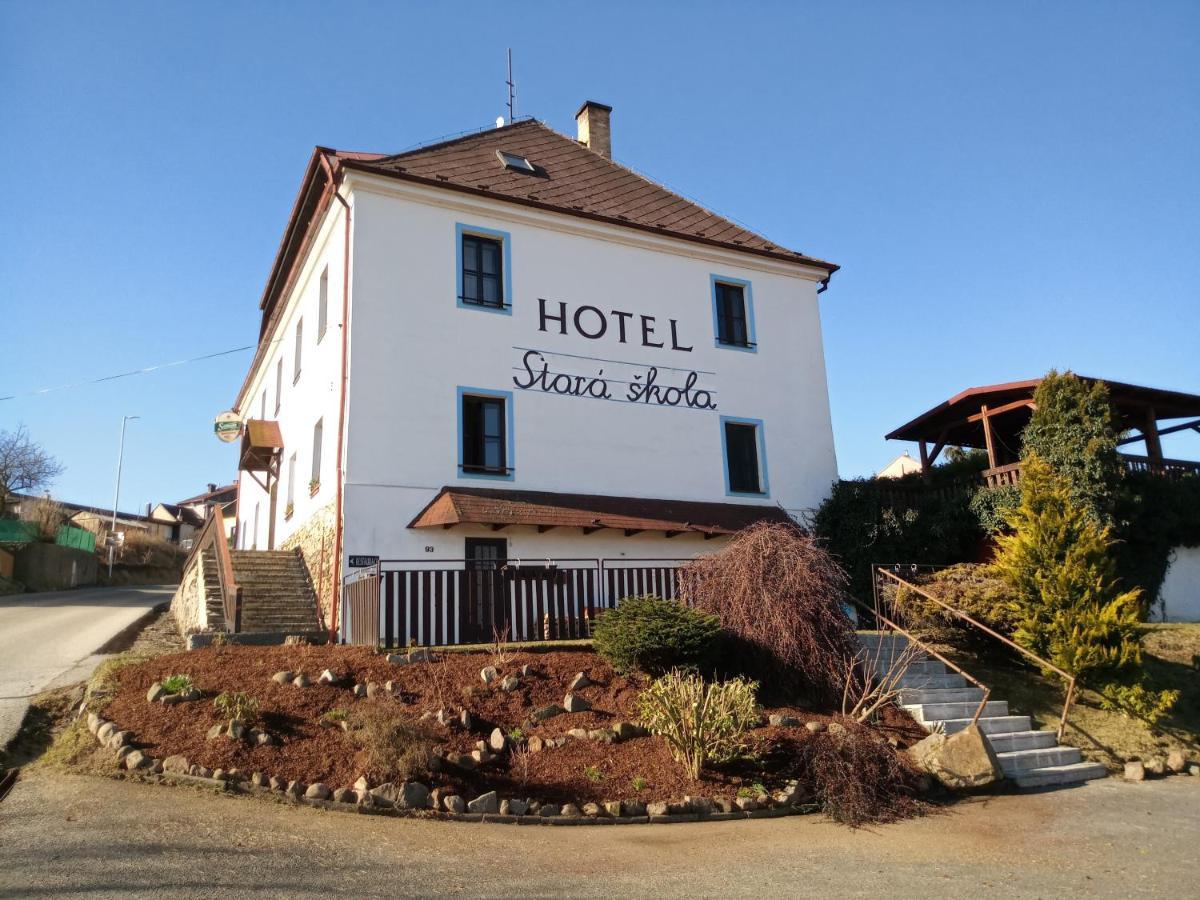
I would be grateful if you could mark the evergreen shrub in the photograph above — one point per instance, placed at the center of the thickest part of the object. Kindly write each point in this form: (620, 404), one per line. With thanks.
(1058, 563)
(652, 635)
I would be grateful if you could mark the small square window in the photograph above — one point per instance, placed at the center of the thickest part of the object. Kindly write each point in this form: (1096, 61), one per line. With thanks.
(515, 162)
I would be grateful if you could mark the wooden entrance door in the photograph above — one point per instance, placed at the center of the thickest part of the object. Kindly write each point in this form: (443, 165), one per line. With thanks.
(487, 607)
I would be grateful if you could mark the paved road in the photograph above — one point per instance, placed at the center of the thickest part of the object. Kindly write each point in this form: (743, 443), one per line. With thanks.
(79, 836)
(51, 639)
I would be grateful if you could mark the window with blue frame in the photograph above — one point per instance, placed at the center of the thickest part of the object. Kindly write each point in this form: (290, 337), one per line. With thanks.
(484, 435)
(745, 463)
(732, 323)
(733, 314)
(482, 271)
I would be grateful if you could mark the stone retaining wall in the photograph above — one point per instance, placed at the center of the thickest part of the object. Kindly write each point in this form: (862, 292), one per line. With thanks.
(315, 539)
(187, 606)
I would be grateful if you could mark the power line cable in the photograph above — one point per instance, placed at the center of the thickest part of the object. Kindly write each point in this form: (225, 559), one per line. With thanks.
(144, 371)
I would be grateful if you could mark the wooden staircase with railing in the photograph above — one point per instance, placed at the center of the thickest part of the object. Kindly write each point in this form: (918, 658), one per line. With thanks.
(254, 596)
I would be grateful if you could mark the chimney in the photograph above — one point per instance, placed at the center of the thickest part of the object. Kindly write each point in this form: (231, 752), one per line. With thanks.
(592, 122)
(211, 487)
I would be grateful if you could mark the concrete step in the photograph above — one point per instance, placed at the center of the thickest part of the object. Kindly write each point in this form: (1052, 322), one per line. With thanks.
(244, 576)
(279, 605)
(930, 712)
(924, 667)
(1016, 761)
(940, 695)
(871, 640)
(995, 725)
(1022, 740)
(272, 565)
(933, 682)
(304, 594)
(1056, 776)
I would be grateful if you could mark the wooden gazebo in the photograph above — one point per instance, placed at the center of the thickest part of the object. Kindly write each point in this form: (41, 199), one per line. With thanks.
(992, 418)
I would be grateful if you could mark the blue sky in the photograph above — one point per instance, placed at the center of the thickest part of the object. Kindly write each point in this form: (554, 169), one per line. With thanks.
(1008, 187)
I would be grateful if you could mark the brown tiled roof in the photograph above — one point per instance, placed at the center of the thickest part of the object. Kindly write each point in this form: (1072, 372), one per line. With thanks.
(570, 178)
(220, 495)
(494, 506)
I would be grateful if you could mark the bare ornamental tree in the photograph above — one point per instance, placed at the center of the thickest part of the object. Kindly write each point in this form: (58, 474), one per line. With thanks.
(24, 465)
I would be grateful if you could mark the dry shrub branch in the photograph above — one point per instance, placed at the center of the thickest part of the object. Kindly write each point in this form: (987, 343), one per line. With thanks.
(397, 746)
(873, 679)
(779, 592)
(857, 778)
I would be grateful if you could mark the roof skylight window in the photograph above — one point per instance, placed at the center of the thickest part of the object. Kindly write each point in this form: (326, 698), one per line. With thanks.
(514, 162)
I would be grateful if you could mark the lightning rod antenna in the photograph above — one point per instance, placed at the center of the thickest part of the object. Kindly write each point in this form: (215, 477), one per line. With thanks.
(512, 89)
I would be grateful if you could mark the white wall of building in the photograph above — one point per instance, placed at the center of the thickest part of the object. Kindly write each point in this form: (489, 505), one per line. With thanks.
(412, 346)
(1180, 594)
(314, 396)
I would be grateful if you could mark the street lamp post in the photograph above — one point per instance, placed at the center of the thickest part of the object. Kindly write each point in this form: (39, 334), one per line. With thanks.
(112, 531)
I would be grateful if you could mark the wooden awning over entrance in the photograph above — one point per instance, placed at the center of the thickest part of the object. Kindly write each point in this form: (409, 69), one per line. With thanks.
(498, 509)
(262, 446)
(993, 417)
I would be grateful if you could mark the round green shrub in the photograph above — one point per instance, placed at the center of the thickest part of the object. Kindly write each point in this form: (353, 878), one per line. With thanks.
(653, 635)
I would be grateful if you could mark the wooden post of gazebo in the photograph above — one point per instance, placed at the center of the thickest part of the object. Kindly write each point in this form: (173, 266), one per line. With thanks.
(1150, 432)
(987, 436)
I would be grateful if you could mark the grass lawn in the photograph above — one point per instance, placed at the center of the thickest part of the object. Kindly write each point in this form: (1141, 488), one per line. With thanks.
(1171, 654)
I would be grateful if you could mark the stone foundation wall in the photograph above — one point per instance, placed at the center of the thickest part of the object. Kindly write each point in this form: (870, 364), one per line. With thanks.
(186, 605)
(315, 541)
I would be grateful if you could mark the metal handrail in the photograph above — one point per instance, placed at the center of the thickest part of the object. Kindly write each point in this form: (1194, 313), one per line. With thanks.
(987, 691)
(1046, 664)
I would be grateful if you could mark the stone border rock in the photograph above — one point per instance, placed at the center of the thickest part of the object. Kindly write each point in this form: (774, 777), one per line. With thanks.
(415, 800)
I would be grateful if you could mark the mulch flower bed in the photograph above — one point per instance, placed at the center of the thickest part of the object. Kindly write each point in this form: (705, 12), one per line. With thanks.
(580, 770)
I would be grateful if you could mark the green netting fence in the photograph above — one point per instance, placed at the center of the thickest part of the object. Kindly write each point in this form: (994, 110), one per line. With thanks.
(14, 531)
(79, 538)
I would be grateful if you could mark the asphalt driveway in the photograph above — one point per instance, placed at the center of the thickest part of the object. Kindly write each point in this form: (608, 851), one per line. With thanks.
(51, 639)
(80, 836)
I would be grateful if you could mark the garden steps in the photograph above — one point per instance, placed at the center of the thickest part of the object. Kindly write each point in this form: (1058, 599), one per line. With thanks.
(941, 700)
(277, 595)
(214, 609)
(923, 695)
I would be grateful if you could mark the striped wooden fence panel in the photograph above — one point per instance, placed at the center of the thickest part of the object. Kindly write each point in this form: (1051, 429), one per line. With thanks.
(634, 581)
(459, 606)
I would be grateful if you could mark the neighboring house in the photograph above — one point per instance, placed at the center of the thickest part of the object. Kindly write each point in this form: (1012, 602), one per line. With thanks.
(183, 522)
(93, 518)
(899, 467)
(508, 349)
(186, 518)
(99, 523)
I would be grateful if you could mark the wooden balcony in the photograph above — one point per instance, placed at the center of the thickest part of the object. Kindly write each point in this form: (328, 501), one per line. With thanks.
(1010, 475)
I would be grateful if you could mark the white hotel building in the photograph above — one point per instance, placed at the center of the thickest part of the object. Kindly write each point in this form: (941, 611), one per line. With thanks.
(509, 351)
